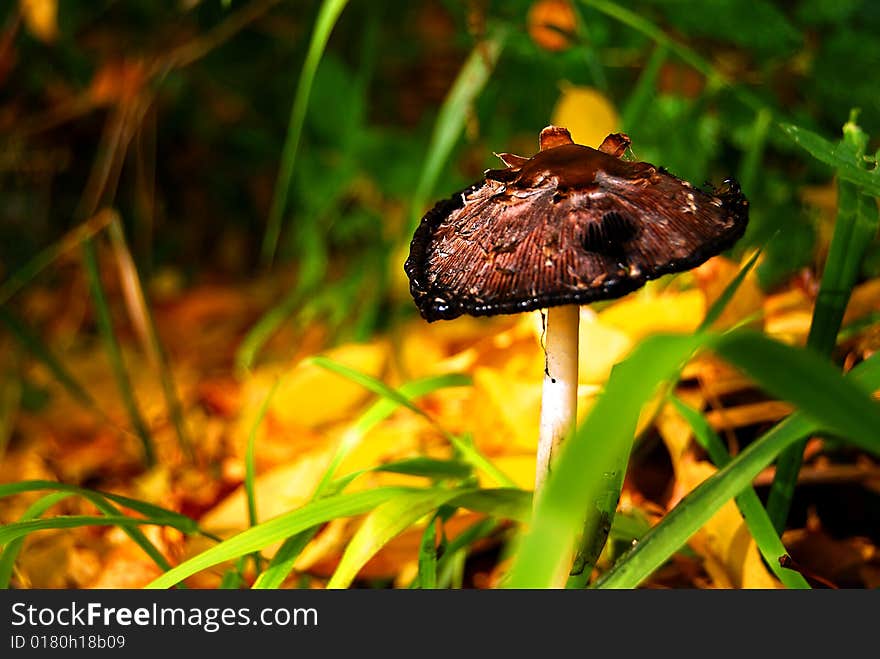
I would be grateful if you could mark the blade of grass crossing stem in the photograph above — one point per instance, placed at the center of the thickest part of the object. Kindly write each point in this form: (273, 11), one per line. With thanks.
(142, 318)
(727, 294)
(327, 17)
(12, 549)
(467, 450)
(587, 472)
(698, 506)
(278, 528)
(854, 230)
(24, 275)
(759, 524)
(589, 468)
(31, 342)
(114, 353)
(452, 115)
(284, 559)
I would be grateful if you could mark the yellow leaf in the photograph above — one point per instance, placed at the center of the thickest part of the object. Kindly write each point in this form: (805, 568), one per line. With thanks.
(277, 491)
(601, 347)
(714, 276)
(507, 410)
(310, 395)
(730, 554)
(520, 468)
(41, 18)
(551, 22)
(587, 115)
(643, 314)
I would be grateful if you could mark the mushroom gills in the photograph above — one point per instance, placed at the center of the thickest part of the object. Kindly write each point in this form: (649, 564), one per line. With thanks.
(610, 234)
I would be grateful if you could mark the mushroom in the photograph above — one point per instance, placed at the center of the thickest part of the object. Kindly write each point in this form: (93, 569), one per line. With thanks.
(566, 227)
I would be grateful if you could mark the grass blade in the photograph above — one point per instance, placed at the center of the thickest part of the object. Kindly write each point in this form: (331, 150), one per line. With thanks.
(265, 327)
(327, 16)
(751, 162)
(24, 275)
(105, 325)
(280, 528)
(427, 467)
(699, 505)
(427, 576)
(638, 23)
(250, 467)
(459, 545)
(727, 294)
(285, 558)
(811, 383)
(854, 230)
(143, 320)
(41, 352)
(644, 90)
(14, 530)
(382, 525)
(837, 156)
(12, 549)
(166, 517)
(450, 121)
(467, 450)
(586, 478)
(757, 519)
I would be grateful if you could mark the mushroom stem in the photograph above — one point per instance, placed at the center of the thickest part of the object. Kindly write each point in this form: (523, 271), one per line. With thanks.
(559, 397)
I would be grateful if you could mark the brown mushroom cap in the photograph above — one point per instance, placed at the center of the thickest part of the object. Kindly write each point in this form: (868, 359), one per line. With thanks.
(569, 225)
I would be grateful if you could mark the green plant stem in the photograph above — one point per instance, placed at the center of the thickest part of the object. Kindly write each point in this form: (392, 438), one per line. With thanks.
(451, 118)
(756, 517)
(105, 326)
(140, 309)
(327, 17)
(854, 229)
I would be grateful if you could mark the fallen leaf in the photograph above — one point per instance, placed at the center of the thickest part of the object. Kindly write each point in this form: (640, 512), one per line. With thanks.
(552, 23)
(587, 114)
(41, 18)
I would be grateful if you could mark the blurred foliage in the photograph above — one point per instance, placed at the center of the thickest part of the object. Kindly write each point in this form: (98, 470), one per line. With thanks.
(198, 179)
(183, 128)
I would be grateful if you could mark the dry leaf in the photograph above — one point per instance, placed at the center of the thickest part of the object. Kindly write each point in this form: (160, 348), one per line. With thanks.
(550, 22)
(41, 18)
(587, 114)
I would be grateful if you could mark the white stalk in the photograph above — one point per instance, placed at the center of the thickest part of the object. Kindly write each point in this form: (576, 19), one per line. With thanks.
(559, 398)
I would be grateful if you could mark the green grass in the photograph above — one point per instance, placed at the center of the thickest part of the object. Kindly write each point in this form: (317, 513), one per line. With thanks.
(327, 17)
(114, 352)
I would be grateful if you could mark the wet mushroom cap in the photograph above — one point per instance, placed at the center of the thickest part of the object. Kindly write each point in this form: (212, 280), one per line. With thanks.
(570, 225)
